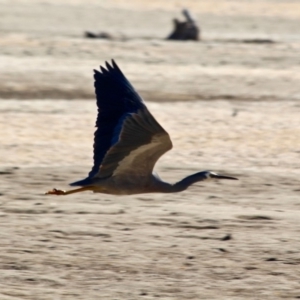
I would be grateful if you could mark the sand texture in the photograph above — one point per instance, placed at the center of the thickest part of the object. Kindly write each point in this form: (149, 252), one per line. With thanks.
(230, 103)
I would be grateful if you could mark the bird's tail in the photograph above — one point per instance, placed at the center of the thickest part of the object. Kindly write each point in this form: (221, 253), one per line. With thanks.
(84, 182)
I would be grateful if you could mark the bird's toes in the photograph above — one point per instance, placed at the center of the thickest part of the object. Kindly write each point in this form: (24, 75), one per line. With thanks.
(55, 192)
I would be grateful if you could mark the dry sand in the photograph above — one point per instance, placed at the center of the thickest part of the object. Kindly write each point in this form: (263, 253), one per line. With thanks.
(218, 240)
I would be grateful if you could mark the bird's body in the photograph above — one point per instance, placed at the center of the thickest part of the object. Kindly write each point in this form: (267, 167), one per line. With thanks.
(127, 144)
(116, 185)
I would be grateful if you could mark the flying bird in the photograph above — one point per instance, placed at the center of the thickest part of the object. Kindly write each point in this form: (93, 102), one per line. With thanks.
(128, 142)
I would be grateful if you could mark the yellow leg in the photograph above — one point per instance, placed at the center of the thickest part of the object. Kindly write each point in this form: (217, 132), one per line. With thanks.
(61, 192)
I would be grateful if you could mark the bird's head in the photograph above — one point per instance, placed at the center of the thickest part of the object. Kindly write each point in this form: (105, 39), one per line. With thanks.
(213, 175)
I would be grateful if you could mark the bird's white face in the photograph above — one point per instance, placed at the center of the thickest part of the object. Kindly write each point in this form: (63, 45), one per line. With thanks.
(212, 173)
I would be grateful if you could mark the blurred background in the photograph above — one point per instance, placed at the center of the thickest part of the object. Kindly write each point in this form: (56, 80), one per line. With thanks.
(248, 49)
(230, 101)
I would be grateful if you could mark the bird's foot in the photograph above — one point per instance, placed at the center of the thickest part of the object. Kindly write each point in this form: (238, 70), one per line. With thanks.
(56, 192)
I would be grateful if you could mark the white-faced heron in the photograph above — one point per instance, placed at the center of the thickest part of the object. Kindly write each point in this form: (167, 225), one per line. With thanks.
(128, 142)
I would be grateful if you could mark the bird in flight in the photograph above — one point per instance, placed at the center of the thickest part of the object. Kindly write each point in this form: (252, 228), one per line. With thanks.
(128, 142)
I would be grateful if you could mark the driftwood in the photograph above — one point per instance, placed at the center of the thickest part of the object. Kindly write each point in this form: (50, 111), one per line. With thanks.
(183, 31)
(186, 30)
(100, 35)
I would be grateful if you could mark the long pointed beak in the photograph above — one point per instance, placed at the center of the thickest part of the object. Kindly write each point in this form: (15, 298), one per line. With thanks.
(217, 176)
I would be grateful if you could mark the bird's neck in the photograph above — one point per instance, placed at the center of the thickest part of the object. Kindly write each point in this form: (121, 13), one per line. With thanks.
(164, 187)
(189, 180)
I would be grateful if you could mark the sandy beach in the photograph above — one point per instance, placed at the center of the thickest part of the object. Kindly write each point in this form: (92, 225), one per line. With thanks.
(231, 104)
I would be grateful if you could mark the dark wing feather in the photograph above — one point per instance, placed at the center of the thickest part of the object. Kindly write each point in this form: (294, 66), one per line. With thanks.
(116, 98)
(139, 144)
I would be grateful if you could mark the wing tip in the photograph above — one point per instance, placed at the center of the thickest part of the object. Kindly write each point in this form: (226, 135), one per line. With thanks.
(109, 69)
(114, 64)
(109, 66)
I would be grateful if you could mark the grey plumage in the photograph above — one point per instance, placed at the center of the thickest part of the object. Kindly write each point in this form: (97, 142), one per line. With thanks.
(128, 142)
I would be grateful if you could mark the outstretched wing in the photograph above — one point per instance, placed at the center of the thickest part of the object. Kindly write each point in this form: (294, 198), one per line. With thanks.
(127, 139)
(139, 143)
(116, 98)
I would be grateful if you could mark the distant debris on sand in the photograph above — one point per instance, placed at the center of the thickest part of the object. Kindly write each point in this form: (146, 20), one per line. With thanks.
(100, 35)
(186, 30)
(183, 31)
(258, 41)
